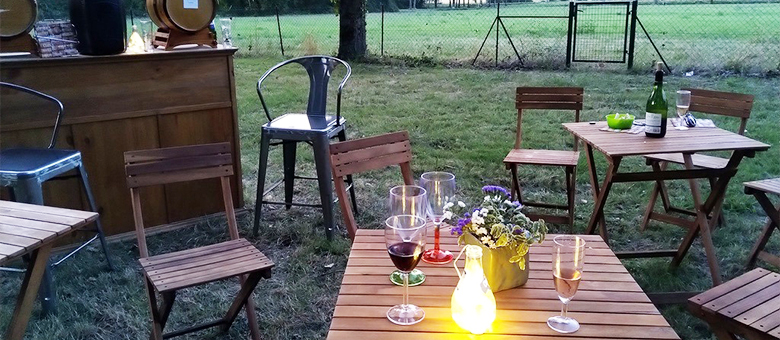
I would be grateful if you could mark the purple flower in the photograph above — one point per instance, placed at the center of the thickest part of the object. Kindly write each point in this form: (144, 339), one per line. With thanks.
(495, 189)
(517, 204)
(458, 229)
(518, 231)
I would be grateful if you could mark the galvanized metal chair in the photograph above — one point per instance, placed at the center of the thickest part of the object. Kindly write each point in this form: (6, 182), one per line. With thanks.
(23, 171)
(314, 127)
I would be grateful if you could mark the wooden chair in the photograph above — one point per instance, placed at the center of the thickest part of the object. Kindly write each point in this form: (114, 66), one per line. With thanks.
(167, 273)
(704, 101)
(748, 306)
(547, 98)
(759, 189)
(365, 154)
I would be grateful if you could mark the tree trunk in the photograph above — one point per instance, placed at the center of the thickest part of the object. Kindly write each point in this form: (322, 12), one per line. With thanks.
(352, 29)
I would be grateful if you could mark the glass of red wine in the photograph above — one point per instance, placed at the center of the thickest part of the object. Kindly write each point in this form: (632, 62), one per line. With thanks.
(441, 188)
(568, 256)
(405, 240)
(408, 200)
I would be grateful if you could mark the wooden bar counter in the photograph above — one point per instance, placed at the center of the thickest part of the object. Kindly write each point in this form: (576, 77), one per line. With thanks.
(127, 102)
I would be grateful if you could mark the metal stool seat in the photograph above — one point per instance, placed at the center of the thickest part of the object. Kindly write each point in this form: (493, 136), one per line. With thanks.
(23, 171)
(314, 127)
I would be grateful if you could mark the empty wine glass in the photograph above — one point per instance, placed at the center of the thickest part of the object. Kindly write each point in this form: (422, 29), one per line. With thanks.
(408, 200)
(683, 103)
(227, 35)
(568, 255)
(441, 189)
(405, 241)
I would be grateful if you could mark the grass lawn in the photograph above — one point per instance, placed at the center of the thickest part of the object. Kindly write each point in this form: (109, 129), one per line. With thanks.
(460, 120)
(700, 37)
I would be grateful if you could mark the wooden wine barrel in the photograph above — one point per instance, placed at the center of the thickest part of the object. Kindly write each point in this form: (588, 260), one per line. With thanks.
(184, 15)
(17, 17)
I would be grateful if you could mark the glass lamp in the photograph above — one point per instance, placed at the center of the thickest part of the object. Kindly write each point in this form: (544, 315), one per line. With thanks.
(473, 304)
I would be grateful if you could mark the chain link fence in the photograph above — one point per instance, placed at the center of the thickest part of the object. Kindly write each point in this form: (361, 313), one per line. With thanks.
(713, 37)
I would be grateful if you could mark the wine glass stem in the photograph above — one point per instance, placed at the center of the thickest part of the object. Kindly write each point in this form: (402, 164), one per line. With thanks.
(564, 309)
(406, 289)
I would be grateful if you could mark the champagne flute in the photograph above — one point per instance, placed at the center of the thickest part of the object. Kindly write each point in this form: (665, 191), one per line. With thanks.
(683, 103)
(568, 255)
(405, 241)
(408, 200)
(441, 189)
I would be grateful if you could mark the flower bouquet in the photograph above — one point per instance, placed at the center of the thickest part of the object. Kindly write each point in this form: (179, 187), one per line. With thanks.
(502, 230)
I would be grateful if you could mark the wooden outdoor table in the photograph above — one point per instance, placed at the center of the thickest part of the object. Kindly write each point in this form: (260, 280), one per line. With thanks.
(609, 303)
(615, 146)
(32, 229)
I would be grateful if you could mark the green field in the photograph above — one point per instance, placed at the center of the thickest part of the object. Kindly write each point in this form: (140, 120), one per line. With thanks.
(702, 37)
(460, 120)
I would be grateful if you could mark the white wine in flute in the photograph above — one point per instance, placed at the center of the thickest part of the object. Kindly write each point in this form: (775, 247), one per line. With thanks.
(566, 283)
(682, 110)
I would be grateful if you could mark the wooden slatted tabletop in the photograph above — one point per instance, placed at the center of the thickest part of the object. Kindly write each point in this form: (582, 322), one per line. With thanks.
(32, 229)
(25, 227)
(609, 303)
(683, 141)
(748, 305)
(771, 185)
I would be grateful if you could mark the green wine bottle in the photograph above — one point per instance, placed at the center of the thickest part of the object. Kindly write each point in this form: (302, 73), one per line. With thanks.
(657, 109)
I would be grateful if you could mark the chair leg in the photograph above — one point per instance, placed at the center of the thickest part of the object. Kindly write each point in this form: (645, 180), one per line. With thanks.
(321, 145)
(571, 192)
(261, 170)
(517, 191)
(156, 332)
(289, 148)
(343, 137)
(94, 208)
(243, 300)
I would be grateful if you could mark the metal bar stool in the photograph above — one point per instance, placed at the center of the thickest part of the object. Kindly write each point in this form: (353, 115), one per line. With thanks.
(314, 127)
(23, 171)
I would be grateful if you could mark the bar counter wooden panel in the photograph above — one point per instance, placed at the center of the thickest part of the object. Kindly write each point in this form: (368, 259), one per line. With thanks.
(127, 102)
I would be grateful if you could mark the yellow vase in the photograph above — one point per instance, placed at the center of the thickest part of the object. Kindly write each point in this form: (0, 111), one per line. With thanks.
(501, 274)
(473, 304)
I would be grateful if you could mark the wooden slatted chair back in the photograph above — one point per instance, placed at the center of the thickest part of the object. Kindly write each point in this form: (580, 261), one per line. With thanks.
(723, 103)
(547, 98)
(366, 154)
(179, 164)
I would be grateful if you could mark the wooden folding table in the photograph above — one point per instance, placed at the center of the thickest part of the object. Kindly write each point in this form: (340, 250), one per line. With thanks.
(608, 305)
(615, 146)
(32, 229)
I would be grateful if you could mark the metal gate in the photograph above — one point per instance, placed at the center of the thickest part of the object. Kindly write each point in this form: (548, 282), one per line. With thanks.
(602, 32)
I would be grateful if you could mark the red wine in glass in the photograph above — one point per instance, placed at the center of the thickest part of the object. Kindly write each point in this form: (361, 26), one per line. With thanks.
(405, 255)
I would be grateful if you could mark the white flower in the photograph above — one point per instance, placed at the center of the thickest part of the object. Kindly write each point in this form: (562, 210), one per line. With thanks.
(483, 212)
(481, 231)
(478, 220)
(461, 204)
(447, 215)
(487, 198)
(507, 202)
(448, 205)
(490, 243)
(485, 239)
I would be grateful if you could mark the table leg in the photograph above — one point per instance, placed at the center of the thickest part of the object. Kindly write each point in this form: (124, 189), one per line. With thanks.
(598, 207)
(30, 191)
(703, 226)
(773, 222)
(594, 185)
(39, 259)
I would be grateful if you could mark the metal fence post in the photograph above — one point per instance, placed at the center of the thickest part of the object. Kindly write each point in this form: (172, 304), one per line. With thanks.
(279, 27)
(632, 34)
(382, 34)
(569, 41)
(498, 18)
